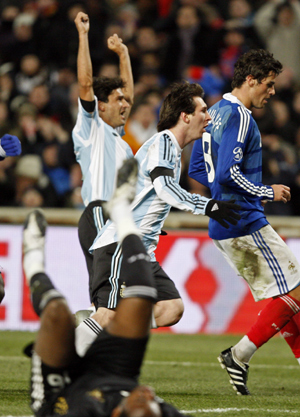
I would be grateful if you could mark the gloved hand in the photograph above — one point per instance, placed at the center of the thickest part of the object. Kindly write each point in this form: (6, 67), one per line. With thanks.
(10, 146)
(223, 210)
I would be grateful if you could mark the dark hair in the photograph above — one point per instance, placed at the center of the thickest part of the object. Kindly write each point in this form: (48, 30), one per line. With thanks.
(258, 63)
(104, 86)
(180, 99)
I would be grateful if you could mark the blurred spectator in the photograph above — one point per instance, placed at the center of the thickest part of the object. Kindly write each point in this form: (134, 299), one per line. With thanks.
(30, 75)
(278, 23)
(29, 174)
(185, 45)
(20, 42)
(283, 125)
(141, 125)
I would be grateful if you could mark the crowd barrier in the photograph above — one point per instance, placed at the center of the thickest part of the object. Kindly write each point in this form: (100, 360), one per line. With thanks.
(216, 300)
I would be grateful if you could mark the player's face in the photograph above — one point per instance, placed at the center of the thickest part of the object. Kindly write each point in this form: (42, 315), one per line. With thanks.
(199, 119)
(141, 402)
(263, 91)
(115, 112)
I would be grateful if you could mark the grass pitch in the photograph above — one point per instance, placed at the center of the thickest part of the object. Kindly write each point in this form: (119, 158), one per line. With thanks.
(184, 370)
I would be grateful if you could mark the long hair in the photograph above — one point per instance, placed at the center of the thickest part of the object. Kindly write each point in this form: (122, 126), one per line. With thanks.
(104, 86)
(258, 63)
(180, 99)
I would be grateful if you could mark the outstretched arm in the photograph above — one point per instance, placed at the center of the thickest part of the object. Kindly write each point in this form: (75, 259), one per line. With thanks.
(115, 44)
(84, 63)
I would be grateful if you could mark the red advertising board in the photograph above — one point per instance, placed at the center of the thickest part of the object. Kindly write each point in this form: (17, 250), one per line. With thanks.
(216, 300)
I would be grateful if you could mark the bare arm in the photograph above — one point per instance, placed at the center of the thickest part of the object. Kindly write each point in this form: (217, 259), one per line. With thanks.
(84, 63)
(116, 45)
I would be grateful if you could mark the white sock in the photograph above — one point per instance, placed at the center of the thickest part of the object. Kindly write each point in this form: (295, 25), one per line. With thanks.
(122, 217)
(85, 334)
(244, 349)
(33, 263)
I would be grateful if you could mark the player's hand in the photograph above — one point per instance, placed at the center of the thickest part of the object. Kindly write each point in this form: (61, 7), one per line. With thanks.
(115, 44)
(281, 192)
(82, 22)
(2, 292)
(223, 211)
(10, 145)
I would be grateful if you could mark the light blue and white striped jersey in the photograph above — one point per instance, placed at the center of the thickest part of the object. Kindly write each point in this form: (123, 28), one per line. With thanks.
(100, 151)
(228, 160)
(153, 200)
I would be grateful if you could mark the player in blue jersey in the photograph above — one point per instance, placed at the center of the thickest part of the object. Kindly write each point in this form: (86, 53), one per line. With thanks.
(104, 105)
(228, 160)
(104, 382)
(9, 146)
(183, 119)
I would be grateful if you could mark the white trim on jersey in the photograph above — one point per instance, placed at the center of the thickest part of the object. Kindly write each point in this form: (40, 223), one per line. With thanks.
(244, 124)
(247, 185)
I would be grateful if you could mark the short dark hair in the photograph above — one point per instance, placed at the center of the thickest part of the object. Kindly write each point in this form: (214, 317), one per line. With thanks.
(180, 99)
(256, 62)
(104, 86)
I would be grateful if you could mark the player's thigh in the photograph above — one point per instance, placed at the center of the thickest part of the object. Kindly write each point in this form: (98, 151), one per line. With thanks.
(166, 288)
(264, 260)
(106, 273)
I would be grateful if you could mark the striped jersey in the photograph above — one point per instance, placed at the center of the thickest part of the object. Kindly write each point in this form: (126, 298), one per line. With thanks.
(156, 193)
(228, 160)
(100, 151)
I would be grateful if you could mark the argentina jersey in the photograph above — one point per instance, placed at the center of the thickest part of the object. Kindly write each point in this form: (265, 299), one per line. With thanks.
(228, 160)
(157, 190)
(100, 151)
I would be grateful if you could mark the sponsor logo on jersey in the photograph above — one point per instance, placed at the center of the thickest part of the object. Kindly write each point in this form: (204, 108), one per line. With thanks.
(238, 154)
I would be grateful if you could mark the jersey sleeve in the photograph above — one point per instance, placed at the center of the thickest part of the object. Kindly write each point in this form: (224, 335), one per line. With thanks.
(235, 143)
(197, 169)
(163, 155)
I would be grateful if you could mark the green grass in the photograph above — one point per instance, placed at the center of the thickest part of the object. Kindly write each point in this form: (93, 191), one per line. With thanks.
(183, 370)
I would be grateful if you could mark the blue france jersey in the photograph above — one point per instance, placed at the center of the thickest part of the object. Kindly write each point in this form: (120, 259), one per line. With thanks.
(154, 198)
(100, 151)
(228, 160)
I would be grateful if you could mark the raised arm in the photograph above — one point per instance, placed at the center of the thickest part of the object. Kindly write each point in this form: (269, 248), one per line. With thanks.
(84, 63)
(115, 44)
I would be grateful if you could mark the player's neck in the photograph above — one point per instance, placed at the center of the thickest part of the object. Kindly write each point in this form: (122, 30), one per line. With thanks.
(242, 95)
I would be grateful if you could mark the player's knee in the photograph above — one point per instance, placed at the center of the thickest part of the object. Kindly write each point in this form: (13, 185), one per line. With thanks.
(56, 313)
(168, 312)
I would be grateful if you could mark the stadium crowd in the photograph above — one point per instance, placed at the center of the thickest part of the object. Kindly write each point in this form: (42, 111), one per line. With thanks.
(168, 40)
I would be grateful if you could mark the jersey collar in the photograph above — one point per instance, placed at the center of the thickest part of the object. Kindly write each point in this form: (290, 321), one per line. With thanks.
(174, 140)
(233, 99)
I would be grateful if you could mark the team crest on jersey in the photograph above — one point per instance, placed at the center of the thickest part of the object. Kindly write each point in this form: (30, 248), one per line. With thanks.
(61, 406)
(238, 154)
(97, 394)
(122, 288)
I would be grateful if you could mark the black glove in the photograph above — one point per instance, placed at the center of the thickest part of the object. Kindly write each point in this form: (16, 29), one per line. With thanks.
(223, 210)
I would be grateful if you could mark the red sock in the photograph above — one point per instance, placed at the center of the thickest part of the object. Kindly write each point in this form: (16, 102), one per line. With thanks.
(273, 318)
(291, 334)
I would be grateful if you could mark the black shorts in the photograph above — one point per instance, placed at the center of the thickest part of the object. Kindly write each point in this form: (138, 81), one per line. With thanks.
(107, 281)
(90, 223)
(109, 362)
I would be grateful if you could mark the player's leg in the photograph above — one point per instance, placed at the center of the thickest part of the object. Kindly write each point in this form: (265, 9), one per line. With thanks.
(55, 339)
(291, 334)
(2, 292)
(134, 310)
(276, 270)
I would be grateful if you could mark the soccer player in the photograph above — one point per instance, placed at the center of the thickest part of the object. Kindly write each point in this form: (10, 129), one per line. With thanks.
(104, 106)
(228, 160)
(105, 381)
(9, 146)
(183, 119)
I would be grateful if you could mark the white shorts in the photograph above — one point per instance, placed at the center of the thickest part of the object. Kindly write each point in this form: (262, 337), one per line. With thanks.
(264, 260)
